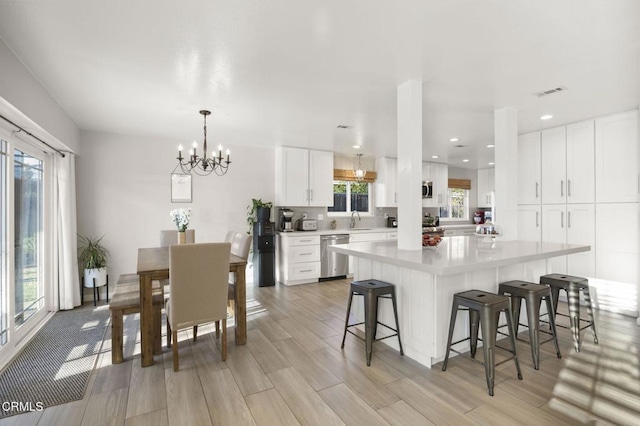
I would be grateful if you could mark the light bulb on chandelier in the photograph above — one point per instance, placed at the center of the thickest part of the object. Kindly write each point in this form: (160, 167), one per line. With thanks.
(203, 166)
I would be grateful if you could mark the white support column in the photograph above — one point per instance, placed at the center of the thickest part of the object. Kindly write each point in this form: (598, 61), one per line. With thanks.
(410, 165)
(506, 159)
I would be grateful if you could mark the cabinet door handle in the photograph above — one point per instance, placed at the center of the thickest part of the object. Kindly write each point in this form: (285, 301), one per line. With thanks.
(568, 187)
(536, 189)
(311, 196)
(568, 219)
(306, 270)
(305, 241)
(305, 254)
(561, 219)
(537, 221)
(307, 195)
(562, 188)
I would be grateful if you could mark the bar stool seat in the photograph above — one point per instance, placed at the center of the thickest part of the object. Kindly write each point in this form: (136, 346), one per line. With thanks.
(484, 308)
(572, 286)
(372, 290)
(533, 294)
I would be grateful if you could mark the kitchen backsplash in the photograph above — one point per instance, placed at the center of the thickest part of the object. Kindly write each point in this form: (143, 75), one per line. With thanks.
(376, 221)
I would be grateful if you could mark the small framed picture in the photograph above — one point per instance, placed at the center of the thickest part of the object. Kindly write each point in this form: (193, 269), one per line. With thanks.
(180, 188)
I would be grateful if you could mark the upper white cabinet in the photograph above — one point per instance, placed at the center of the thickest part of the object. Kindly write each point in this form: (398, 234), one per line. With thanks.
(554, 166)
(617, 178)
(529, 168)
(581, 162)
(486, 187)
(438, 175)
(568, 164)
(386, 194)
(304, 177)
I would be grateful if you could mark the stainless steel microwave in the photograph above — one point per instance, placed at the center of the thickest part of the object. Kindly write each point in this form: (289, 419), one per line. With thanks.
(427, 189)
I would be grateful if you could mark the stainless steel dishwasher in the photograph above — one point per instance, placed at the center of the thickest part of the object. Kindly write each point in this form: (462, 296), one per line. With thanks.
(333, 265)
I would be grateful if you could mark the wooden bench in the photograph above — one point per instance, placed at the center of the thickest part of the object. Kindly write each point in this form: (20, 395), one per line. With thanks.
(126, 300)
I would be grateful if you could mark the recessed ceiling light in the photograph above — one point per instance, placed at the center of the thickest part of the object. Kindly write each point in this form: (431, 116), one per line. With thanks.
(454, 140)
(465, 160)
(435, 156)
(546, 117)
(357, 146)
(491, 164)
(491, 145)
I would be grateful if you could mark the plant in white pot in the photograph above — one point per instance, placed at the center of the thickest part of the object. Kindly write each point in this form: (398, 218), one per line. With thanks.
(92, 256)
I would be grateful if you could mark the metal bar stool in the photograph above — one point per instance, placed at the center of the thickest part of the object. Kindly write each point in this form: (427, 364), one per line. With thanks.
(372, 290)
(533, 294)
(572, 286)
(483, 308)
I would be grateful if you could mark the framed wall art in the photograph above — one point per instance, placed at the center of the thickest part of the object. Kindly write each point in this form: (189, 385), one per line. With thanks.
(181, 191)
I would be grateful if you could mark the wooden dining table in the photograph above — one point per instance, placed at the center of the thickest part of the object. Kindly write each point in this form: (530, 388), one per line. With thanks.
(153, 264)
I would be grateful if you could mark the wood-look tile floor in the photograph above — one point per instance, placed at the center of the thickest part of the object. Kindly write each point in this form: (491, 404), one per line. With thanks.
(292, 371)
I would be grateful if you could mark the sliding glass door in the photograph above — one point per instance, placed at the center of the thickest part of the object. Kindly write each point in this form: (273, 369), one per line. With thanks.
(28, 179)
(23, 225)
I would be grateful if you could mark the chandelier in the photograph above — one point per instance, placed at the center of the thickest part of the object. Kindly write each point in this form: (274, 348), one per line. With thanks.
(359, 173)
(204, 165)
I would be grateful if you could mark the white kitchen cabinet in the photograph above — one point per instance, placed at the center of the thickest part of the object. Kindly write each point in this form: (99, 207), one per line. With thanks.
(553, 166)
(438, 174)
(486, 187)
(616, 145)
(617, 243)
(392, 235)
(570, 224)
(529, 168)
(581, 225)
(581, 162)
(304, 177)
(554, 230)
(529, 223)
(298, 259)
(385, 190)
(568, 164)
(440, 177)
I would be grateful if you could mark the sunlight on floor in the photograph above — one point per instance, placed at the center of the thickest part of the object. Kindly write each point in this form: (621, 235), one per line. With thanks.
(602, 382)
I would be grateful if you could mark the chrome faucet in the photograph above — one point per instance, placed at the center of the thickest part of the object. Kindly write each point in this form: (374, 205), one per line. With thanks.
(353, 219)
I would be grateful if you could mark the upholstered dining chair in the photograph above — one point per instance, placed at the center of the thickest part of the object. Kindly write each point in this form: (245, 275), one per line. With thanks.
(169, 237)
(240, 246)
(198, 286)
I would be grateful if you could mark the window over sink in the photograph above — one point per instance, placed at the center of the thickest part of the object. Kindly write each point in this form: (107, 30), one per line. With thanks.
(457, 205)
(349, 196)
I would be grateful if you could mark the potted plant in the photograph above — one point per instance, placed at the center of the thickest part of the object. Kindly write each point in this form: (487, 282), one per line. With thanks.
(258, 210)
(92, 256)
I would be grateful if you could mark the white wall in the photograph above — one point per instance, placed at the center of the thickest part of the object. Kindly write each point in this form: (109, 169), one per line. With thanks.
(123, 185)
(22, 96)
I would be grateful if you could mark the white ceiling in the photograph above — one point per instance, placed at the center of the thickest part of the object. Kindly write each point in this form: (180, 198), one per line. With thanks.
(287, 72)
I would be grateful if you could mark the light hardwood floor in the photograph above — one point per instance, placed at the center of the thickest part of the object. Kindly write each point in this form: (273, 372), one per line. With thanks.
(292, 371)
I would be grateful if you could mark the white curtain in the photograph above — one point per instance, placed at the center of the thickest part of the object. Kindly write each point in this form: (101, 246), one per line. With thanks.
(65, 232)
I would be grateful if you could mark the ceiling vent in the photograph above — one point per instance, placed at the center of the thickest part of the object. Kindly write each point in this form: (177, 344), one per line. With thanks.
(550, 91)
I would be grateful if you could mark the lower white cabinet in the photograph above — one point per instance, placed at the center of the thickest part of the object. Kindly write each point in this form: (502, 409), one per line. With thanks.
(570, 224)
(529, 223)
(617, 243)
(298, 259)
(460, 231)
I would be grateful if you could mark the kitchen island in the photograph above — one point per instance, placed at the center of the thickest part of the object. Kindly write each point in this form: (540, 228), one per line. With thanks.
(427, 279)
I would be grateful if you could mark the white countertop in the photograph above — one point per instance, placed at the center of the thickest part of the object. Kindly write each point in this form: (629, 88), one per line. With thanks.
(458, 254)
(355, 230)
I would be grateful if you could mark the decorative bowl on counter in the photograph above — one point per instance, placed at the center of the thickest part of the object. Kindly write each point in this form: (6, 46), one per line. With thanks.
(488, 231)
(431, 241)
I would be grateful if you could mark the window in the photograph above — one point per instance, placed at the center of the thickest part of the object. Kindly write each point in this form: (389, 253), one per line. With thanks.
(458, 205)
(349, 196)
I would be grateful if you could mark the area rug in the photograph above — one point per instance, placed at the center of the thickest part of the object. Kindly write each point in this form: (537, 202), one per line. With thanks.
(54, 368)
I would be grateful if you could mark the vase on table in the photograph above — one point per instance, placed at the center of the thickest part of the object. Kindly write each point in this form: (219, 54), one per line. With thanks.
(182, 237)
